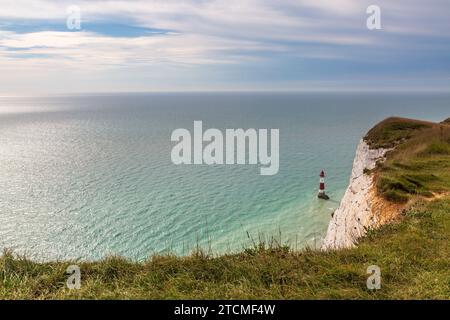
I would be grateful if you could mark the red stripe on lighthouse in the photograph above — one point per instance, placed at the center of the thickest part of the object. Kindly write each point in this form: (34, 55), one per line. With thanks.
(322, 182)
(322, 194)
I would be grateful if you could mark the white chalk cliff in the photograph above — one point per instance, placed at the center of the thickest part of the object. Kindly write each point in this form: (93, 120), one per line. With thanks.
(359, 209)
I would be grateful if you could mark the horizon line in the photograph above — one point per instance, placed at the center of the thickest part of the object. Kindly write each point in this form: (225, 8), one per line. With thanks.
(276, 91)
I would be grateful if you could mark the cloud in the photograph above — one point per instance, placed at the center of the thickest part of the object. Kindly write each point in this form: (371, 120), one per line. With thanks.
(198, 34)
(194, 31)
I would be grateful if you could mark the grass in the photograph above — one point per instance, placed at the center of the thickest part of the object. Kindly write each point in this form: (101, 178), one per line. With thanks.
(419, 166)
(414, 257)
(440, 148)
(392, 131)
(413, 254)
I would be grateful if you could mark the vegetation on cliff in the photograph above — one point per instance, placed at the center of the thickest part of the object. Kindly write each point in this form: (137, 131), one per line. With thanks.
(420, 163)
(413, 253)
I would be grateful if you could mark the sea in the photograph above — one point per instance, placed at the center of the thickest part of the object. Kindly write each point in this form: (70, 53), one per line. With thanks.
(90, 176)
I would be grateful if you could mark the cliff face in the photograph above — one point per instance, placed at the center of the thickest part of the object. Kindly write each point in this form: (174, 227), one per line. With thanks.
(360, 208)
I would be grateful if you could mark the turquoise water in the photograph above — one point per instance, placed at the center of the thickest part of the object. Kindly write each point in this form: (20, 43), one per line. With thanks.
(88, 176)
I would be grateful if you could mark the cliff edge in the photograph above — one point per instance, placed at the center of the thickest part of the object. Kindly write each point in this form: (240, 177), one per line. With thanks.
(370, 202)
(356, 213)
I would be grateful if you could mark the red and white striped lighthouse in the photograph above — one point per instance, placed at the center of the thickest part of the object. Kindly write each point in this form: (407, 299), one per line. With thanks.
(322, 194)
(322, 182)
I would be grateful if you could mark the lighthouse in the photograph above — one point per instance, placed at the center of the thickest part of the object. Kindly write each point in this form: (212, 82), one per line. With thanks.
(322, 194)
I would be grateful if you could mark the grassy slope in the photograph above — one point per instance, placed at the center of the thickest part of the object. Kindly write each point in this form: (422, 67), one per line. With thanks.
(420, 164)
(413, 254)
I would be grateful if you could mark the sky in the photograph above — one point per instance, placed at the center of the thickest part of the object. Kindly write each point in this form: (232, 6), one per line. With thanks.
(222, 45)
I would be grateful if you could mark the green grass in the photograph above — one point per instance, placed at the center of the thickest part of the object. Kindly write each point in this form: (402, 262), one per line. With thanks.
(437, 148)
(392, 131)
(419, 166)
(413, 254)
(414, 257)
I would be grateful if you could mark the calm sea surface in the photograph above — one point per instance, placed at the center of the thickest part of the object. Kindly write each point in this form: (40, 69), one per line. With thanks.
(89, 176)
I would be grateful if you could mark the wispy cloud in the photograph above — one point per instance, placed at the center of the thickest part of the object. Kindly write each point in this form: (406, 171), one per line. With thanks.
(216, 41)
